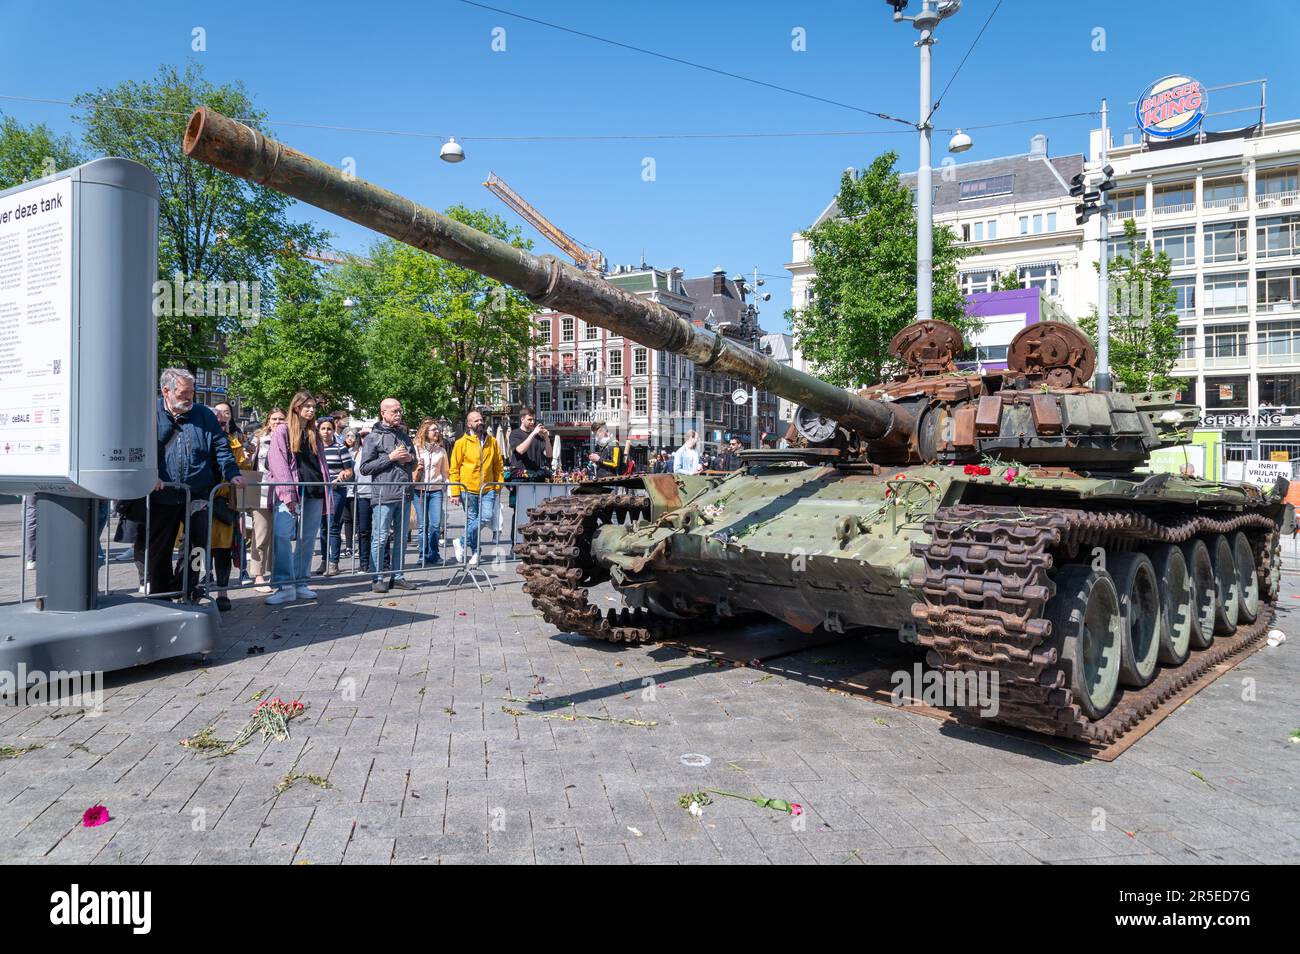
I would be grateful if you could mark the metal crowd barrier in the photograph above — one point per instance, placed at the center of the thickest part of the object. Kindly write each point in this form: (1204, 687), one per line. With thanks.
(200, 559)
(104, 540)
(419, 491)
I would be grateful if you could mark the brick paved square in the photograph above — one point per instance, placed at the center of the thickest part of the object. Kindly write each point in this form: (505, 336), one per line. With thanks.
(407, 725)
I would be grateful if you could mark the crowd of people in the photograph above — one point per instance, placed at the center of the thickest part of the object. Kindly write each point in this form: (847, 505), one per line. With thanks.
(301, 485)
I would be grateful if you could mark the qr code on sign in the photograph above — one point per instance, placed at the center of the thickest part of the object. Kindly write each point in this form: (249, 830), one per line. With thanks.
(135, 455)
(58, 365)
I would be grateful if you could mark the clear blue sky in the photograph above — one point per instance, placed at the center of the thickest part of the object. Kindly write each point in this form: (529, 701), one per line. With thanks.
(429, 67)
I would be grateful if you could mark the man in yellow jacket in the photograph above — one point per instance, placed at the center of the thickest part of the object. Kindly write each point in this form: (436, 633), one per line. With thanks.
(476, 464)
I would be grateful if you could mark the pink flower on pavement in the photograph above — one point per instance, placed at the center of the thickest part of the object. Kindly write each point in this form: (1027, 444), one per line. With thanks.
(95, 815)
(796, 808)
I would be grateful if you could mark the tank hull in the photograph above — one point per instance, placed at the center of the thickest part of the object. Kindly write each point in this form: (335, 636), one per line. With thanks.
(1058, 595)
(833, 548)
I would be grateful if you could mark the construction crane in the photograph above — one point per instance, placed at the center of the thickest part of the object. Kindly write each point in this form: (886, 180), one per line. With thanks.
(333, 258)
(584, 256)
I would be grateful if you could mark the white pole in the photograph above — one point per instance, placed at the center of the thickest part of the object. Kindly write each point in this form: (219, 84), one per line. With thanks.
(924, 194)
(1103, 282)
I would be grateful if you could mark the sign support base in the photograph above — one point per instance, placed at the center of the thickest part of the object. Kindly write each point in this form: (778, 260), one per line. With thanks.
(123, 631)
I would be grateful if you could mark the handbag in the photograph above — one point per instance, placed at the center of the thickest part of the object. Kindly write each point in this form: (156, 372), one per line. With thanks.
(221, 510)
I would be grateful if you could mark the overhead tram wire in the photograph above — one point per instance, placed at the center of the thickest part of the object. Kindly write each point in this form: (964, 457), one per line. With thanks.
(625, 137)
(692, 65)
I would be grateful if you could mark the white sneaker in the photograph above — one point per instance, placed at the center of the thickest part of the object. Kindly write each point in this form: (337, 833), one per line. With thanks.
(284, 595)
(305, 593)
(473, 560)
(31, 564)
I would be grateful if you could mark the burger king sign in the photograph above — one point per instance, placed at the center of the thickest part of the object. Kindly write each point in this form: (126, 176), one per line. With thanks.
(1171, 107)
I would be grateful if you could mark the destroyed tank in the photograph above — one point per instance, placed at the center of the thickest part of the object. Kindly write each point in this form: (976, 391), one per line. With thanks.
(1003, 521)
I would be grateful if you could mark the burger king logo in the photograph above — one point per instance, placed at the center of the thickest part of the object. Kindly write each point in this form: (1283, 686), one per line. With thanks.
(1171, 107)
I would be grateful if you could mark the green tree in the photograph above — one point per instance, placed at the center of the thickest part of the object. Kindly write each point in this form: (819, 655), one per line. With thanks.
(864, 290)
(309, 339)
(213, 227)
(437, 334)
(1010, 281)
(31, 152)
(1144, 344)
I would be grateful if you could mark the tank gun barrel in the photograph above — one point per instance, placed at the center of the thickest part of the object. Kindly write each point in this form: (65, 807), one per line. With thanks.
(236, 148)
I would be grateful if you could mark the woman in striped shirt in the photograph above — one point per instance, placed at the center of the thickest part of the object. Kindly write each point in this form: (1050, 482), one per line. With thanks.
(340, 468)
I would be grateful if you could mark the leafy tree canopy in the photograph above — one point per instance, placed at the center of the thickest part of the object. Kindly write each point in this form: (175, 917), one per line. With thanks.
(1144, 344)
(213, 227)
(864, 291)
(31, 152)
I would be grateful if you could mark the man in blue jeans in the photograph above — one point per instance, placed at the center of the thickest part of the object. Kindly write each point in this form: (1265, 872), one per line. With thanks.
(388, 458)
(476, 467)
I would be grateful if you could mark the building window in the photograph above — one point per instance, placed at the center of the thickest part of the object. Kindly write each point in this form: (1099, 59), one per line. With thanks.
(1024, 225)
(544, 362)
(1051, 221)
(566, 363)
(614, 399)
(544, 402)
(1118, 245)
(1227, 393)
(1185, 290)
(1186, 347)
(615, 361)
(1176, 197)
(1224, 242)
(1226, 346)
(1277, 238)
(978, 233)
(1277, 289)
(1044, 276)
(544, 329)
(568, 401)
(672, 400)
(983, 188)
(992, 229)
(640, 361)
(590, 362)
(1130, 205)
(639, 399)
(1038, 224)
(1273, 184)
(1225, 294)
(1185, 391)
(1279, 390)
(1223, 193)
(566, 328)
(1279, 342)
(981, 281)
(1179, 244)
(592, 332)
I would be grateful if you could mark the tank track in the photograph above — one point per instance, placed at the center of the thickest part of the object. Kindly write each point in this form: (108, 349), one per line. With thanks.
(986, 584)
(557, 566)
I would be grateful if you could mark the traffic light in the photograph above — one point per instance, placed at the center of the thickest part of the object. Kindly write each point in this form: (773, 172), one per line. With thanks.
(1093, 199)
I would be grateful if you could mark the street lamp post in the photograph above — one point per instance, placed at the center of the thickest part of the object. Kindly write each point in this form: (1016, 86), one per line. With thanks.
(932, 11)
(1103, 285)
